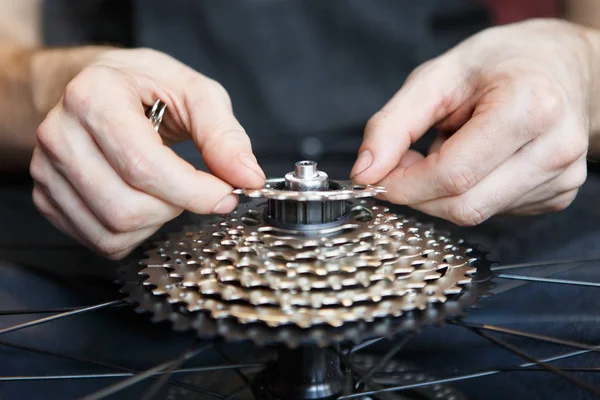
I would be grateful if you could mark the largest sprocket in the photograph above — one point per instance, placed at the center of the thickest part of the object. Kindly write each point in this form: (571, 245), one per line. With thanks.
(335, 268)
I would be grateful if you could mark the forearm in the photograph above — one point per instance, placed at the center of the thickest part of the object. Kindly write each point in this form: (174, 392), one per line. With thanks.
(32, 80)
(17, 119)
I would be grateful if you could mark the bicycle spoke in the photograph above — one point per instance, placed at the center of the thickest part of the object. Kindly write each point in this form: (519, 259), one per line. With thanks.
(388, 356)
(109, 375)
(366, 344)
(419, 385)
(130, 372)
(40, 311)
(63, 356)
(237, 391)
(360, 374)
(542, 364)
(167, 373)
(59, 316)
(544, 272)
(370, 342)
(513, 332)
(546, 263)
(549, 280)
(473, 375)
(145, 374)
(386, 378)
(569, 369)
(237, 371)
(215, 368)
(64, 377)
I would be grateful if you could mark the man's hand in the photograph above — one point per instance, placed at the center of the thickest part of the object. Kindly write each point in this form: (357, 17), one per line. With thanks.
(512, 105)
(104, 175)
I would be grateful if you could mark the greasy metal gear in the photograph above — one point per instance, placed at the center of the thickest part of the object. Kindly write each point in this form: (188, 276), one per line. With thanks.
(375, 275)
(365, 269)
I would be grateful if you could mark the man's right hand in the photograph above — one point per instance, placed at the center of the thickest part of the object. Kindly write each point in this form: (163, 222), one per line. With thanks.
(104, 176)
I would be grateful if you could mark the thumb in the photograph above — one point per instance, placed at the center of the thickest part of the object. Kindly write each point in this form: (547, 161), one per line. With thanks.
(431, 92)
(225, 146)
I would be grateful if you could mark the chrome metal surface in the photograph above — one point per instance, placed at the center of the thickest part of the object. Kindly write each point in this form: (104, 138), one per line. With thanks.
(306, 177)
(378, 264)
(347, 191)
(156, 113)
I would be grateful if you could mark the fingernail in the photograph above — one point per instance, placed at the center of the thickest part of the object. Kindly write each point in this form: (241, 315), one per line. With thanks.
(226, 205)
(365, 158)
(251, 163)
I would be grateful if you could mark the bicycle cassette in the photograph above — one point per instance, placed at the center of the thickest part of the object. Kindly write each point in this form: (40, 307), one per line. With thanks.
(307, 259)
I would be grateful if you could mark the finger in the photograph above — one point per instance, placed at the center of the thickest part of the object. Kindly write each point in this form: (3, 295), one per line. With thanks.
(571, 179)
(132, 146)
(78, 217)
(494, 133)
(437, 143)
(557, 203)
(431, 92)
(409, 158)
(225, 146)
(453, 121)
(45, 206)
(518, 175)
(120, 207)
(61, 221)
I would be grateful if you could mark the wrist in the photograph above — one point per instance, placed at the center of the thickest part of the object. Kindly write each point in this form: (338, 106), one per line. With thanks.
(52, 69)
(592, 37)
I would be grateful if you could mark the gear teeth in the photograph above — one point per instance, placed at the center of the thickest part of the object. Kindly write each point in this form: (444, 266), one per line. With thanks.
(167, 284)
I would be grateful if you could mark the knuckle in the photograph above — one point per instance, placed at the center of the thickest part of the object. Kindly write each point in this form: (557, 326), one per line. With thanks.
(573, 178)
(580, 176)
(421, 69)
(564, 201)
(465, 214)
(36, 169)
(112, 247)
(457, 179)
(46, 135)
(228, 131)
(579, 141)
(77, 94)
(202, 88)
(122, 218)
(138, 170)
(377, 121)
(144, 52)
(81, 90)
(200, 207)
(217, 89)
(545, 102)
(40, 204)
(568, 152)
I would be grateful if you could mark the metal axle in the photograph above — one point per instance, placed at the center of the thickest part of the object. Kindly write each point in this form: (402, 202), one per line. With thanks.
(305, 373)
(306, 215)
